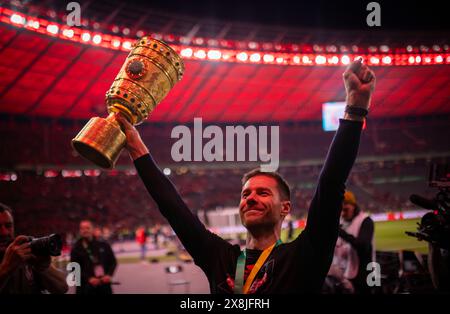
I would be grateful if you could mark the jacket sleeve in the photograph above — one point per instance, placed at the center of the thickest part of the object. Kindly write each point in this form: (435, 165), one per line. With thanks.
(363, 242)
(197, 240)
(323, 216)
(111, 261)
(75, 257)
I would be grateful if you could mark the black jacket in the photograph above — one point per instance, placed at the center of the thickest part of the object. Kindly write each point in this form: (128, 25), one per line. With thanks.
(101, 252)
(296, 267)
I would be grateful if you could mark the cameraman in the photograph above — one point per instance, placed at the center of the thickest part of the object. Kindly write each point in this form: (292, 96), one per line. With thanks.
(20, 270)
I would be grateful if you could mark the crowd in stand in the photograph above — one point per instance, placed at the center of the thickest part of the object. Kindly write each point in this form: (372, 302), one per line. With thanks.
(118, 201)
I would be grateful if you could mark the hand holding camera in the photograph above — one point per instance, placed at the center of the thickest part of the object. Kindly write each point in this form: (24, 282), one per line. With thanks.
(17, 253)
(35, 251)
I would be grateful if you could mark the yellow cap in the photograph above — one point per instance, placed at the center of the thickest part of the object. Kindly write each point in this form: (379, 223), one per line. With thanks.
(349, 197)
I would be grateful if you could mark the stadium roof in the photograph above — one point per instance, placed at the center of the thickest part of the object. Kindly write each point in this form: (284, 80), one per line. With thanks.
(45, 75)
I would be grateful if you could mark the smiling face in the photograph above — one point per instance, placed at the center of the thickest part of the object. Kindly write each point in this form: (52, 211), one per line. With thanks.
(261, 205)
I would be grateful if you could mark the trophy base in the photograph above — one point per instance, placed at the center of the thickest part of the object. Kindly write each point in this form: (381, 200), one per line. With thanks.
(100, 141)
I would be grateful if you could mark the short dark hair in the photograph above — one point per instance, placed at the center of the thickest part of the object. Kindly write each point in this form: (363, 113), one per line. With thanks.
(283, 186)
(4, 208)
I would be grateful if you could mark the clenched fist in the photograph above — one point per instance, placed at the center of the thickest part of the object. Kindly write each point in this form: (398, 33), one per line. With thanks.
(359, 83)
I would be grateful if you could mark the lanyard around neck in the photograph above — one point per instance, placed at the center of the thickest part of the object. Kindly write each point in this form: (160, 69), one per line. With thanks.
(239, 286)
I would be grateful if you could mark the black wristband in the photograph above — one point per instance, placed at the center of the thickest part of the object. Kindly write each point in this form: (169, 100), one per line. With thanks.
(357, 111)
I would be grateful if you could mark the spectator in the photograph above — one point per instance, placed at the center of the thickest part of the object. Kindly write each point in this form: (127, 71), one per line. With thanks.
(354, 248)
(97, 262)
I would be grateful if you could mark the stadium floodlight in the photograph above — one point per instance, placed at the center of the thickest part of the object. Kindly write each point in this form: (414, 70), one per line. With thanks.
(126, 45)
(374, 60)
(268, 58)
(198, 41)
(51, 173)
(52, 29)
(333, 60)
(200, 54)
(253, 45)
(33, 24)
(386, 60)
(213, 42)
(17, 19)
(97, 39)
(306, 60)
(384, 48)
(436, 48)
(116, 43)
(68, 32)
(236, 51)
(214, 54)
(85, 37)
(320, 60)
(242, 56)
(255, 57)
(226, 56)
(186, 52)
(345, 60)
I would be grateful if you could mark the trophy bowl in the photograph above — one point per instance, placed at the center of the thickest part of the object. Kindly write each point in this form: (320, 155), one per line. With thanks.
(150, 71)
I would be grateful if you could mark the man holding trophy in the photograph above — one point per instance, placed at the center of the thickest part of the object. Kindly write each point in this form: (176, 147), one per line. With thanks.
(265, 265)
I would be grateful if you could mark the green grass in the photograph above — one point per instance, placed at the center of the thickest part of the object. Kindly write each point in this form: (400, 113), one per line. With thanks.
(390, 236)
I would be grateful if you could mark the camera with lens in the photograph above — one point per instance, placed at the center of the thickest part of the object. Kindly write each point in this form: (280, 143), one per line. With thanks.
(48, 245)
(434, 226)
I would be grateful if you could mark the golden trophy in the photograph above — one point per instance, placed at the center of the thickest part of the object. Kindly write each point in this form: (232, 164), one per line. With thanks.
(150, 71)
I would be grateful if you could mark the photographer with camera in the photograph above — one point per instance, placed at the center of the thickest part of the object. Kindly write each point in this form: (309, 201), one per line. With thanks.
(96, 259)
(434, 226)
(354, 249)
(25, 265)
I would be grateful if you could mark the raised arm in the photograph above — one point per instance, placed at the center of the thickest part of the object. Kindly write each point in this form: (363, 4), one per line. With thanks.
(323, 217)
(197, 240)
